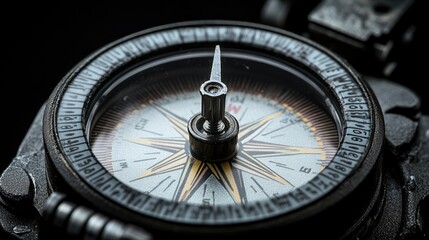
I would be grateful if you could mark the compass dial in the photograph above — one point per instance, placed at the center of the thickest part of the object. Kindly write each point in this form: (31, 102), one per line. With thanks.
(285, 138)
(161, 130)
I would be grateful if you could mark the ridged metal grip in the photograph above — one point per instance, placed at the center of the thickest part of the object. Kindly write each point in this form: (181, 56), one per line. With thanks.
(81, 222)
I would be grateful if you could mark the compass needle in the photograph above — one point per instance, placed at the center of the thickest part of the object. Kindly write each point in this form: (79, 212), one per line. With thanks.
(216, 68)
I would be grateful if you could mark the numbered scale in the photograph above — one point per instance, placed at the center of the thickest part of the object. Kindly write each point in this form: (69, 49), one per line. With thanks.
(218, 129)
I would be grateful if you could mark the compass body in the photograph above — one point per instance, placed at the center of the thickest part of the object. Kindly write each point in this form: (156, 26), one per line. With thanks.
(307, 141)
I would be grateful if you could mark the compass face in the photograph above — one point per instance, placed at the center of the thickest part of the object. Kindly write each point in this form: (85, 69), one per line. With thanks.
(117, 129)
(285, 138)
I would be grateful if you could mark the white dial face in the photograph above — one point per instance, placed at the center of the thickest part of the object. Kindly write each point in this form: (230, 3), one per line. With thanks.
(284, 141)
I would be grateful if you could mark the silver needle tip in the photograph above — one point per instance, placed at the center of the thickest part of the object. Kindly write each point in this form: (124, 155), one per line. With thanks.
(215, 73)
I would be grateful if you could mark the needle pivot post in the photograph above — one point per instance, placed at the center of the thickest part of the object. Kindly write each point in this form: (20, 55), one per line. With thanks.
(213, 132)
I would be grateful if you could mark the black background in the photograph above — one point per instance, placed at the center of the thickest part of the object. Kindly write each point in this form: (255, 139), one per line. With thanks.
(41, 43)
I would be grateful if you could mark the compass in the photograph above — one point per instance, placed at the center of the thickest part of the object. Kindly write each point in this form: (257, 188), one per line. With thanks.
(218, 128)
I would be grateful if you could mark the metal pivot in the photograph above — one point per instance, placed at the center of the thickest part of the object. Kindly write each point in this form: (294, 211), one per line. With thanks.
(213, 132)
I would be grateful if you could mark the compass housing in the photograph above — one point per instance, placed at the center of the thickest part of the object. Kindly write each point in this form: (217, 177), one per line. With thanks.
(351, 181)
